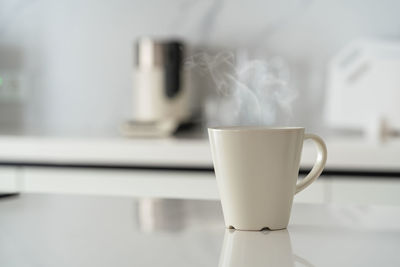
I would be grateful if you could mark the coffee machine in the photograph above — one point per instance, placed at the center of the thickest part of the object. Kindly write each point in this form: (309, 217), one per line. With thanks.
(160, 88)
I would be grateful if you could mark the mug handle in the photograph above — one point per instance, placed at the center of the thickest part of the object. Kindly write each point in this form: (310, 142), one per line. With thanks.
(318, 165)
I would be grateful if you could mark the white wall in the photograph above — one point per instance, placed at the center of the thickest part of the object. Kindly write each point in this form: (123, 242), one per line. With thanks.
(76, 56)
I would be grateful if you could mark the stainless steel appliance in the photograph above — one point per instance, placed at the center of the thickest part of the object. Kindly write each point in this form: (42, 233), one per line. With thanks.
(160, 88)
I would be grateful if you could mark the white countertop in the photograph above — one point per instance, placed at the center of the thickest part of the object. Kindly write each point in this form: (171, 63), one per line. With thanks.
(61, 230)
(348, 153)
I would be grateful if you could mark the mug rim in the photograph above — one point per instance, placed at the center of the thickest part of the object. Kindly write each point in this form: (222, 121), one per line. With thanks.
(255, 128)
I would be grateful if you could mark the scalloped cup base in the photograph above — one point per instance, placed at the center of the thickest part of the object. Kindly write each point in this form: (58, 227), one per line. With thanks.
(230, 227)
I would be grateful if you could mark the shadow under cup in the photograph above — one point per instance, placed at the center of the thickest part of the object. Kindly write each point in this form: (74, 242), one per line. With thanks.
(257, 170)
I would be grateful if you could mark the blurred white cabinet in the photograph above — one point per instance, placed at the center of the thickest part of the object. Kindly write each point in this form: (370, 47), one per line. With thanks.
(131, 183)
(317, 192)
(184, 184)
(350, 154)
(9, 180)
(371, 191)
(138, 183)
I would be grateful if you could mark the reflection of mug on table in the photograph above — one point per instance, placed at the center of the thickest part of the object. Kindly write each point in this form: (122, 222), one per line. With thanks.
(256, 170)
(266, 248)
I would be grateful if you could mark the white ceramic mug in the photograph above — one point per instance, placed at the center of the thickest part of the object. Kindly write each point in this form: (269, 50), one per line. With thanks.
(257, 170)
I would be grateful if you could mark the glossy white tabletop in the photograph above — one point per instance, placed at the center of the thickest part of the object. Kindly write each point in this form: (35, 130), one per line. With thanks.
(68, 230)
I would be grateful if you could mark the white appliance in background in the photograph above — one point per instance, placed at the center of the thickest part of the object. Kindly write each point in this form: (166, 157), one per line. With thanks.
(160, 89)
(364, 88)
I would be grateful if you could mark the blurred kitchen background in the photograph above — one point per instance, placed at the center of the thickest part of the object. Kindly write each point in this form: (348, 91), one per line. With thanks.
(68, 72)
(70, 63)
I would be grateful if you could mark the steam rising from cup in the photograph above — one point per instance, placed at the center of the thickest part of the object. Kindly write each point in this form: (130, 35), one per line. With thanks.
(249, 92)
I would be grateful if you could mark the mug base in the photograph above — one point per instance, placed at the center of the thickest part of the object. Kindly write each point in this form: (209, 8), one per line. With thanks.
(230, 227)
